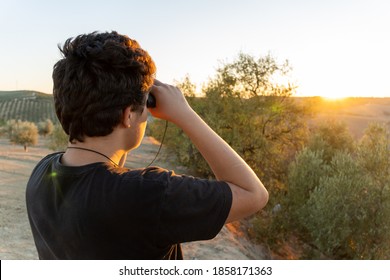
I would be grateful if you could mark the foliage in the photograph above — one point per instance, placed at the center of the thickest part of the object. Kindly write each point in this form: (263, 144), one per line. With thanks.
(186, 87)
(45, 127)
(373, 155)
(58, 140)
(2, 124)
(330, 138)
(23, 133)
(9, 127)
(337, 210)
(339, 196)
(304, 175)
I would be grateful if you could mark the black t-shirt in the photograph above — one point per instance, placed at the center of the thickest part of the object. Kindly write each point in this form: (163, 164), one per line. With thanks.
(97, 211)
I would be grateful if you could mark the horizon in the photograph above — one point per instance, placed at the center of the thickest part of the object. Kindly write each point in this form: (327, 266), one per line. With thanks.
(335, 48)
(293, 96)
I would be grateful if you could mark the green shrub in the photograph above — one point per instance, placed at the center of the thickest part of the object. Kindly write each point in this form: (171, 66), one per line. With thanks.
(337, 214)
(331, 137)
(337, 198)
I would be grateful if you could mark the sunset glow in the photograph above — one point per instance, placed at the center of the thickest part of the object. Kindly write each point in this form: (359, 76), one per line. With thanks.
(335, 48)
(336, 96)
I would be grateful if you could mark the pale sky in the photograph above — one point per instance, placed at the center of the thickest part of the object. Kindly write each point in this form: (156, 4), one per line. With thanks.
(335, 47)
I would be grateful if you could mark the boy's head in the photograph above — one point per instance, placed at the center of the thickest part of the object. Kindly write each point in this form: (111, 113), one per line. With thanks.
(100, 75)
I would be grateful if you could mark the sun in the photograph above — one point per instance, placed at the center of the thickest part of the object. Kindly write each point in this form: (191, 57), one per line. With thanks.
(333, 96)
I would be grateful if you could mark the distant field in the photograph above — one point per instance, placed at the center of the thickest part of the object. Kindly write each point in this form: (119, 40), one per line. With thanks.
(26, 105)
(356, 113)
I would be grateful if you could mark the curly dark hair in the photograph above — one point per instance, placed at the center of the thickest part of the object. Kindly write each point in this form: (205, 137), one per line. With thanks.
(99, 75)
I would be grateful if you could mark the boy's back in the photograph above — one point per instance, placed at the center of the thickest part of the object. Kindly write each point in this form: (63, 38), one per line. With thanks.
(98, 211)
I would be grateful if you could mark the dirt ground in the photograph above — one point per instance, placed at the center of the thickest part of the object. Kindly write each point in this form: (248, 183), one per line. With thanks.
(16, 242)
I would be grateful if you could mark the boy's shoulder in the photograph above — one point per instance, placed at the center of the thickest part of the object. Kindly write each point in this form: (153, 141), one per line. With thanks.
(47, 159)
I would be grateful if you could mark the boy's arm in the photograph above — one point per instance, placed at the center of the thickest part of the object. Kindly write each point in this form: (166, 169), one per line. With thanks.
(249, 194)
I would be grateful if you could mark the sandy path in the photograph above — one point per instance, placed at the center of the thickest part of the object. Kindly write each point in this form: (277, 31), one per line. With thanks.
(15, 236)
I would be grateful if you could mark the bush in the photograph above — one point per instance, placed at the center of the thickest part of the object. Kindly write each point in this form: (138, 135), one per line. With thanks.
(23, 133)
(45, 128)
(373, 155)
(331, 137)
(304, 176)
(338, 212)
(341, 205)
(58, 140)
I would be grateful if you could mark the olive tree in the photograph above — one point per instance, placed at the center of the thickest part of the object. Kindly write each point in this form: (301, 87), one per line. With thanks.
(45, 127)
(24, 133)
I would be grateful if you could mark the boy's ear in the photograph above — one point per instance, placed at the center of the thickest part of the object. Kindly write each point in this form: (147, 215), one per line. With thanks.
(126, 117)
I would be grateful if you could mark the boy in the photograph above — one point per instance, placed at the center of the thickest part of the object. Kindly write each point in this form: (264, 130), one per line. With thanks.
(83, 204)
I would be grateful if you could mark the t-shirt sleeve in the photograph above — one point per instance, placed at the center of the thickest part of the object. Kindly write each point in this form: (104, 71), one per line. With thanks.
(192, 209)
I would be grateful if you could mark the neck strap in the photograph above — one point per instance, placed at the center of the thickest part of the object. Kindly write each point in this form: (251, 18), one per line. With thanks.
(96, 152)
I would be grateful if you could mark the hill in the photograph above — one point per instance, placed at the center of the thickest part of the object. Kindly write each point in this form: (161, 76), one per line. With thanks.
(26, 105)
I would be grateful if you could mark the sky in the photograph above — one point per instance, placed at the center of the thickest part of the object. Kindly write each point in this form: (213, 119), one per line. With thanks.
(336, 48)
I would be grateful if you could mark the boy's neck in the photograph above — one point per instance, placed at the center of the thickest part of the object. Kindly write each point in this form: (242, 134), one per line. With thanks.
(95, 149)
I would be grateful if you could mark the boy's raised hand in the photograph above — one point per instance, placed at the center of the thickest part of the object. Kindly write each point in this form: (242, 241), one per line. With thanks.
(171, 104)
